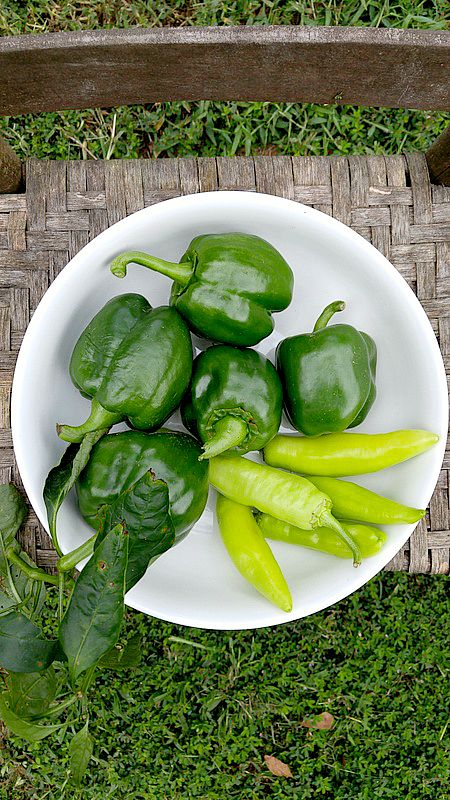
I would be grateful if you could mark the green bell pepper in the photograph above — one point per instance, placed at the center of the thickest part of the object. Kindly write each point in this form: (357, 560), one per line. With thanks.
(119, 460)
(234, 400)
(226, 285)
(328, 376)
(135, 363)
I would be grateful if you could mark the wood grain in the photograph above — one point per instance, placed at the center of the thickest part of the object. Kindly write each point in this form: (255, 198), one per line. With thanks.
(438, 158)
(10, 169)
(366, 66)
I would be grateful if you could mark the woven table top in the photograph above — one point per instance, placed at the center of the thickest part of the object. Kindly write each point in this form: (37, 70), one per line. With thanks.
(388, 200)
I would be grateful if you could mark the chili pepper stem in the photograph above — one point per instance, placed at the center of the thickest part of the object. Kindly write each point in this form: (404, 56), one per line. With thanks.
(327, 313)
(85, 550)
(97, 419)
(328, 521)
(228, 432)
(181, 273)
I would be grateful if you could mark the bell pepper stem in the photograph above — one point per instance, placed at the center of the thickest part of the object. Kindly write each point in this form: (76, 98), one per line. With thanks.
(228, 432)
(181, 273)
(328, 521)
(97, 419)
(68, 562)
(327, 313)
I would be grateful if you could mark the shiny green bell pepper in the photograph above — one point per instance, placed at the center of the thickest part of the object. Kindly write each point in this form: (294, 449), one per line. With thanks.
(234, 400)
(135, 363)
(119, 460)
(226, 285)
(328, 376)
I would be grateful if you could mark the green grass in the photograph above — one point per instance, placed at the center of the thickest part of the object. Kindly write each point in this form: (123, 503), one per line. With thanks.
(196, 722)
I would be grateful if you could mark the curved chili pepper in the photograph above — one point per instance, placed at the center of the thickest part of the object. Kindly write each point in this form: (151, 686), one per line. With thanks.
(250, 552)
(283, 495)
(351, 501)
(369, 540)
(226, 285)
(340, 454)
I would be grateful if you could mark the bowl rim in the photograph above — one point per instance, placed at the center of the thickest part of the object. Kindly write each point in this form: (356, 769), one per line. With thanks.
(177, 204)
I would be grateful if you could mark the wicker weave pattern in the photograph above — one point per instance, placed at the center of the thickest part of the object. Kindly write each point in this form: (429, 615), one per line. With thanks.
(389, 201)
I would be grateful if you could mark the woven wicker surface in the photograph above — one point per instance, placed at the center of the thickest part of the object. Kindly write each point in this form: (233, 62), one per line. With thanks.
(389, 201)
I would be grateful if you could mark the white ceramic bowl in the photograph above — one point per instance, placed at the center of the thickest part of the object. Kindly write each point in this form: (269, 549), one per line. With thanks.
(195, 583)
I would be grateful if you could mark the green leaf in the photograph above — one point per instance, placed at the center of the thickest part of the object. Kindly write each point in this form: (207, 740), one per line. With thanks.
(21, 727)
(30, 694)
(13, 512)
(80, 751)
(32, 592)
(22, 645)
(61, 478)
(6, 602)
(93, 619)
(127, 657)
(144, 508)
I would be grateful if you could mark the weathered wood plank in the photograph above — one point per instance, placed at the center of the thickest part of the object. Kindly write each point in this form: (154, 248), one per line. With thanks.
(367, 66)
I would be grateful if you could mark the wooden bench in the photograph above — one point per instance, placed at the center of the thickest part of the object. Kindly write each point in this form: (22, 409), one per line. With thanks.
(50, 209)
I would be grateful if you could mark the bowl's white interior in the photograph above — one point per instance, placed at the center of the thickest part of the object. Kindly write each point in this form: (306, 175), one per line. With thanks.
(195, 583)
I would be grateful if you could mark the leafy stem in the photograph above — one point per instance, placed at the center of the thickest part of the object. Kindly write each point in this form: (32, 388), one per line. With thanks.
(9, 577)
(34, 573)
(54, 710)
(61, 585)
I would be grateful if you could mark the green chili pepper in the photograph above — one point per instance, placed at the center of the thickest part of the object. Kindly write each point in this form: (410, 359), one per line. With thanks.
(120, 460)
(134, 362)
(226, 285)
(283, 495)
(234, 400)
(351, 501)
(369, 540)
(250, 552)
(340, 454)
(328, 376)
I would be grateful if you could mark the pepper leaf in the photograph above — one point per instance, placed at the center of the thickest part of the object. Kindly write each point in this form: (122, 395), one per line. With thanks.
(30, 694)
(144, 508)
(93, 619)
(81, 747)
(21, 727)
(13, 512)
(32, 592)
(6, 602)
(126, 658)
(22, 645)
(61, 478)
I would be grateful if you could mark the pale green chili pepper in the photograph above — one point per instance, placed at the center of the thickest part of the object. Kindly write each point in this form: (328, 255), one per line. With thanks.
(351, 501)
(370, 540)
(340, 454)
(289, 497)
(250, 552)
